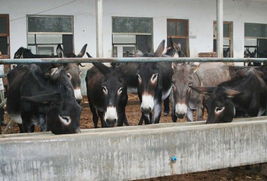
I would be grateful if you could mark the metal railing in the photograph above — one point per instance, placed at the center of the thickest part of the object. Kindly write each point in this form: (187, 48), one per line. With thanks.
(128, 59)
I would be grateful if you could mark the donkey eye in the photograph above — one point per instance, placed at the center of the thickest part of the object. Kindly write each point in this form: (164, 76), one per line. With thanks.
(219, 109)
(69, 76)
(154, 78)
(120, 90)
(105, 90)
(139, 78)
(190, 84)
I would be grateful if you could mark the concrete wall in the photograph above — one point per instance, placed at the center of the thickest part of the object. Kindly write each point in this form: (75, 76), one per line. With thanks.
(128, 153)
(201, 14)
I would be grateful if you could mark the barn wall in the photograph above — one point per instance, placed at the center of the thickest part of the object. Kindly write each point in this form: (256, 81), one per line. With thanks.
(162, 10)
(201, 14)
(83, 11)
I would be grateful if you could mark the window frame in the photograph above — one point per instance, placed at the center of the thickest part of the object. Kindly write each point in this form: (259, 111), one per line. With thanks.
(186, 21)
(230, 32)
(129, 33)
(35, 44)
(255, 38)
(7, 35)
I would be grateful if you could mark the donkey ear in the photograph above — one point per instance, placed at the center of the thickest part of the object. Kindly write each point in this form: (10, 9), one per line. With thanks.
(88, 55)
(160, 49)
(174, 65)
(196, 68)
(55, 72)
(82, 52)
(203, 90)
(231, 93)
(60, 52)
(102, 68)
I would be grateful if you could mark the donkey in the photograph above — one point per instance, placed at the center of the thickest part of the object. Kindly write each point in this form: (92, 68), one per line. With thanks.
(107, 95)
(174, 50)
(72, 69)
(129, 70)
(154, 85)
(244, 95)
(42, 95)
(184, 100)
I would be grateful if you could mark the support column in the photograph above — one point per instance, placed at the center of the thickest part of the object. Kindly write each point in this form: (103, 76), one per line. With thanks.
(219, 12)
(99, 28)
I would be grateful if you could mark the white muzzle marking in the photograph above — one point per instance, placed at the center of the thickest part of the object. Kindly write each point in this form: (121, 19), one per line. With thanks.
(78, 94)
(66, 120)
(147, 102)
(16, 118)
(180, 108)
(111, 113)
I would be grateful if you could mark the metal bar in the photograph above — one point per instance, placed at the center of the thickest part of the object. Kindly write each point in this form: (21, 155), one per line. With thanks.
(130, 33)
(132, 59)
(219, 13)
(49, 33)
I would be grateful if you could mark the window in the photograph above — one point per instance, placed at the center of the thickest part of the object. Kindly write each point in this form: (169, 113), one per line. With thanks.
(256, 40)
(177, 29)
(46, 32)
(130, 34)
(227, 38)
(4, 34)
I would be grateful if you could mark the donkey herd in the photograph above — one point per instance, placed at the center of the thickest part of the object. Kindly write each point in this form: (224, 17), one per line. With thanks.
(49, 95)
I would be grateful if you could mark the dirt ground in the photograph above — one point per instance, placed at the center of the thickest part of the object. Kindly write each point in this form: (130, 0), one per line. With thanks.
(251, 173)
(133, 114)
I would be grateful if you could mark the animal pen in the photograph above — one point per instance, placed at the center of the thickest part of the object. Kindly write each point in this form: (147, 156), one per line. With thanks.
(133, 152)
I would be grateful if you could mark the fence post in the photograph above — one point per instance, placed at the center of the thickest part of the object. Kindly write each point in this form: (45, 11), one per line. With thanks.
(219, 24)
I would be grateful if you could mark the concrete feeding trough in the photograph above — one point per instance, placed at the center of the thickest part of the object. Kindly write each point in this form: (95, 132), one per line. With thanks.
(128, 153)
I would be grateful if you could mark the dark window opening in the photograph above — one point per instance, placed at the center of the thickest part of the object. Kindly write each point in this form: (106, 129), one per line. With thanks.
(46, 32)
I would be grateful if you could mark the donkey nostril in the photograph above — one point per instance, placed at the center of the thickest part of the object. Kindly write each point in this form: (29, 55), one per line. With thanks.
(180, 116)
